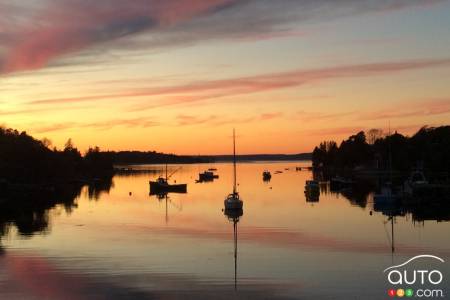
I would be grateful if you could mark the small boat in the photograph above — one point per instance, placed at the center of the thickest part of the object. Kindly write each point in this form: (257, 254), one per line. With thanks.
(416, 183)
(266, 175)
(207, 176)
(298, 168)
(278, 172)
(162, 185)
(212, 169)
(232, 201)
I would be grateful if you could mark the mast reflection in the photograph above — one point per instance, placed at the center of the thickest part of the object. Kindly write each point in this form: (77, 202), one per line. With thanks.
(233, 215)
(165, 197)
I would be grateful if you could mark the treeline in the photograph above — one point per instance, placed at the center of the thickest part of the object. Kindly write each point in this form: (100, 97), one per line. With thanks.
(24, 159)
(429, 149)
(151, 157)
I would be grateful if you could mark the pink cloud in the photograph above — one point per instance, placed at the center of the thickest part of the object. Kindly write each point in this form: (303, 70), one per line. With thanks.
(204, 90)
(319, 116)
(143, 122)
(73, 25)
(411, 109)
(35, 35)
(270, 116)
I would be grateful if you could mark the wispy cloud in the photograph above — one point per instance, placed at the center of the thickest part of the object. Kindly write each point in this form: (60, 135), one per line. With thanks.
(142, 122)
(220, 120)
(62, 27)
(212, 89)
(270, 116)
(34, 34)
(412, 109)
(311, 116)
(194, 120)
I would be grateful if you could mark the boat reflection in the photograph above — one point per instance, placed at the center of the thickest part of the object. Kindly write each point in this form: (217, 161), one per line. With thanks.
(165, 197)
(266, 176)
(233, 215)
(312, 191)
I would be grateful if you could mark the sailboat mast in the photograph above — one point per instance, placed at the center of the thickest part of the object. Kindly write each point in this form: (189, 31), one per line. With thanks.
(234, 162)
(166, 172)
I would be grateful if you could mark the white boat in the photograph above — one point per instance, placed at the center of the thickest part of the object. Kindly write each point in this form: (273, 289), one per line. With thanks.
(415, 182)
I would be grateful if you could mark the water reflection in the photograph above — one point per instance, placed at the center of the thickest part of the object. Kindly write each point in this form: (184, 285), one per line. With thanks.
(164, 197)
(98, 187)
(29, 212)
(233, 216)
(126, 248)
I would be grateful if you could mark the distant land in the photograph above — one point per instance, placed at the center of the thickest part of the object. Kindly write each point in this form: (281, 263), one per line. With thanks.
(260, 157)
(138, 157)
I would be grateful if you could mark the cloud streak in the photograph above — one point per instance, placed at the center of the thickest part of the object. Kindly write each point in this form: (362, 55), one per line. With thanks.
(68, 26)
(212, 89)
(413, 109)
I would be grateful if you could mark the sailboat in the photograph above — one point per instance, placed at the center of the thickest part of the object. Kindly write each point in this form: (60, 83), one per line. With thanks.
(162, 185)
(233, 201)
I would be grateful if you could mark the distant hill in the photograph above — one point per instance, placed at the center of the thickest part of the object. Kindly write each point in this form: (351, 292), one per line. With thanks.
(261, 157)
(152, 157)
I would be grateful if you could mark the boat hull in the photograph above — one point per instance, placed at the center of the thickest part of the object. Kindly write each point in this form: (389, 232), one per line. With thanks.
(207, 177)
(233, 204)
(158, 188)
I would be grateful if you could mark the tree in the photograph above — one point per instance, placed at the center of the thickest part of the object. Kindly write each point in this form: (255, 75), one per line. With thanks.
(69, 146)
(373, 135)
(46, 142)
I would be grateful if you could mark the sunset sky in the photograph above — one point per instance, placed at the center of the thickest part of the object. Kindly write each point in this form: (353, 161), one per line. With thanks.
(177, 75)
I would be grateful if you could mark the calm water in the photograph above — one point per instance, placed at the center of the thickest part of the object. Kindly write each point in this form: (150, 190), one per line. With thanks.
(114, 244)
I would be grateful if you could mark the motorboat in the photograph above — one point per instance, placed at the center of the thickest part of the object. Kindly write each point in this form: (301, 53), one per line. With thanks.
(207, 176)
(162, 185)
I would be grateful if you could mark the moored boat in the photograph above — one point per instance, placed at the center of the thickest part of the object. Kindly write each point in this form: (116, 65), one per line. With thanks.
(266, 175)
(233, 201)
(207, 176)
(162, 185)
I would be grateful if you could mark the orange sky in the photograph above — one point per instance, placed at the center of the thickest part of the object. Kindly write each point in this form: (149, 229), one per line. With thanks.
(177, 76)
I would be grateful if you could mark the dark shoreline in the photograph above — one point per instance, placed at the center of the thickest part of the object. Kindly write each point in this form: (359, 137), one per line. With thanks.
(217, 159)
